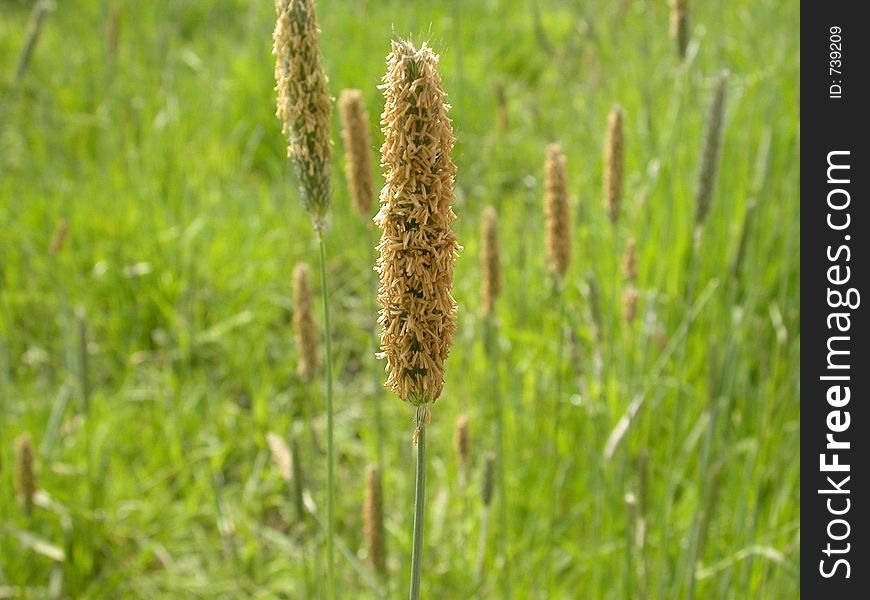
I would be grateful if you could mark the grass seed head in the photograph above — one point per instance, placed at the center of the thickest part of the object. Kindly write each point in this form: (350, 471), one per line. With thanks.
(25, 472)
(680, 25)
(629, 304)
(280, 455)
(487, 483)
(373, 521)
(595, 305)
(113, 30)
(557, 212)
(303, 322)
(58, 237)
(614, 150)
(358, 146)
(490, 261)
(462, 441)
(501, 107)
(304, 104)
(711, 151)
(417, 247)
(629, 261)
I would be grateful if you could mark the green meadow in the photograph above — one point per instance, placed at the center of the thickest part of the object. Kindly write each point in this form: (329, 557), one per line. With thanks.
(149, 227)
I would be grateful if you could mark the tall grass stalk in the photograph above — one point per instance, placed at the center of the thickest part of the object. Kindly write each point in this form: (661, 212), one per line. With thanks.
(82, 361)
(490, 259)
(491, 342)
(304, 108)
(554, 438)
(358, 169)
(330, 426)
(34, 29)
(418, 311)
(486, 489)
(706, 491)
(558, 221)
(491, 284)
(419, 502)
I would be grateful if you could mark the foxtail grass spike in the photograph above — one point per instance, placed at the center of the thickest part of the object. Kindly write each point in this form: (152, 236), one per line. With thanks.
(711, 151)
(113, 30)
(490, 261)
(25, 472)
(34, 29)
(501, 107)
(614, 150)
(461, 441)
(417, 247)
(557, 212)
(304, 104)
(304, 329)
(280, 455)
(358, 147)
(680, 25)
(629, 261)
(58, 238)
(373, 521)
(595, 305)
(487, 482)
(629, 304)
(745, 231)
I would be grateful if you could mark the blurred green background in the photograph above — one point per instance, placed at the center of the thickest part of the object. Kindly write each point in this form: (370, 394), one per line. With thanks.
(150, 352)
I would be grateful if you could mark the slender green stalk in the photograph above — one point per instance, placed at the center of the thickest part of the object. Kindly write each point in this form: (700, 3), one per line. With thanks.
(481, 549)
(307, 409)
(492, 350)
(82, 357)
(330, 456)
(419, 504)
(34, 29)
(554, 442)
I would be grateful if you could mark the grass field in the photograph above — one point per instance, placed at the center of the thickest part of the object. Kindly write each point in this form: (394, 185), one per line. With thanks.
(149, 356)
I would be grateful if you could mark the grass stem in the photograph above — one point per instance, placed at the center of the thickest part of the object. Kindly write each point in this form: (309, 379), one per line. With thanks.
(491, 341)
(330, 455)
(419, 504)
(554, 441)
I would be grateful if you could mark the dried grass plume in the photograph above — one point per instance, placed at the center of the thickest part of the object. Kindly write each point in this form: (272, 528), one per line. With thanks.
(25, 472)
(490, 261)
(373, 521)
(629, 304)
(487, 482)
(304, 328)
(358, 146)
(629, 261)
(712, 149)
(614, 150)
(417, 247)
(58, 237)
(461, 440)
(304, 104)
(680, 25)
(557, 212)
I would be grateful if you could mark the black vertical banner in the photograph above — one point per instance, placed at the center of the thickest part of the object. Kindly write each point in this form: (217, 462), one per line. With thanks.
(834, 266)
